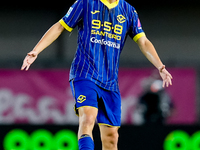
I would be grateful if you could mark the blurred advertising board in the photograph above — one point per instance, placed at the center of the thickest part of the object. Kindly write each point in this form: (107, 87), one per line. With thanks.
(63, 137)
(44, 96)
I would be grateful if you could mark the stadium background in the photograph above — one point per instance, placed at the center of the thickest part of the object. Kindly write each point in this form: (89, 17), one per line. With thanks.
(171, 25)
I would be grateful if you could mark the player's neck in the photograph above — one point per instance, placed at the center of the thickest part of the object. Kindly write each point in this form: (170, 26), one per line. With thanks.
(111, 1)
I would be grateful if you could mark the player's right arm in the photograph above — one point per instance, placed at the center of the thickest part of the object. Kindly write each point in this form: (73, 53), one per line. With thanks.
(49, 37)
(68, 22)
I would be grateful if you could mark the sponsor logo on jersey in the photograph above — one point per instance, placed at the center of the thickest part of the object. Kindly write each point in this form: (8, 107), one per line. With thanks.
(106, 43)
(106, 34)
(121, 18)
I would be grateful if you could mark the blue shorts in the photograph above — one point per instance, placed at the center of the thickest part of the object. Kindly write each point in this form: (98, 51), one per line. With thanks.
(108, 103)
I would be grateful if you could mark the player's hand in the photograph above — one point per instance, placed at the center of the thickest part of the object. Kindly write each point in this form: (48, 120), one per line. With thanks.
(166, 76)
(29, 59)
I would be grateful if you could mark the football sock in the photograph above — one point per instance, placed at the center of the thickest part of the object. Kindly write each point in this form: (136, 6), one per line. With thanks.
(86, 143)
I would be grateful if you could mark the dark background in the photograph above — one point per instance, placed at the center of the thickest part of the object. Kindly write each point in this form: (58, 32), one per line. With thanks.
(171, 25)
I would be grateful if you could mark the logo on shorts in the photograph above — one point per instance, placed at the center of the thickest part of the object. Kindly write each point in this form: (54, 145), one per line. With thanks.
(81, 99)
(121, 18)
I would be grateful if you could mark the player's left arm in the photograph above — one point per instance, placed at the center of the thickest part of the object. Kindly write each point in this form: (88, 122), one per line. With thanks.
(149, 51)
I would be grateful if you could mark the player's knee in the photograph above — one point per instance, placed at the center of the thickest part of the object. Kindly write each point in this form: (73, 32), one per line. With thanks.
(110, 139)
(87, 116)
(87, 120)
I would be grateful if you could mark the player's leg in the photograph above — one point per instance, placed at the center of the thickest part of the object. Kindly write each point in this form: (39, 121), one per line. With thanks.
(86, 107)
(109, 137)
(87, 117)
(109, 118)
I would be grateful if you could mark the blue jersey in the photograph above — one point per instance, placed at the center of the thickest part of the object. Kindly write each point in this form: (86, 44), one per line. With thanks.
(102, 31)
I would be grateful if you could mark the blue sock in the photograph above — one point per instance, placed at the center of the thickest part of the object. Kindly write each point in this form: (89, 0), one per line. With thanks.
(86, 143)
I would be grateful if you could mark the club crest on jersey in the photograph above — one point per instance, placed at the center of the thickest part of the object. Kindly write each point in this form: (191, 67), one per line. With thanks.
(81, 98)
(121, 18)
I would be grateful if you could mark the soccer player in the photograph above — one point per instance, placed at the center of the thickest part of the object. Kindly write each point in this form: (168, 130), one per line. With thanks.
(103, 26)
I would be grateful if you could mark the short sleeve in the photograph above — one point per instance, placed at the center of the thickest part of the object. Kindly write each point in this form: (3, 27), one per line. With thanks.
(73, 16)
(136, 30)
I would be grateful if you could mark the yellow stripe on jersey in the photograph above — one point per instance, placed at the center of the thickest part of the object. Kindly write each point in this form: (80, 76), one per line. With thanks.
(138, 36)
(110, 5)
(65, 25)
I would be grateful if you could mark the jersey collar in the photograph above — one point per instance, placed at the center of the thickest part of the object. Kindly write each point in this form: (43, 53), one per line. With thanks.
(110, 6)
